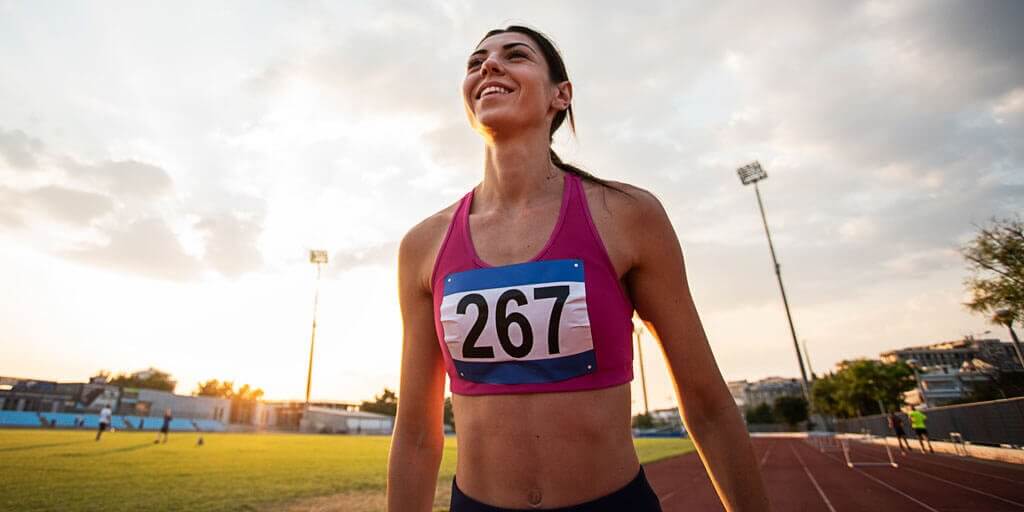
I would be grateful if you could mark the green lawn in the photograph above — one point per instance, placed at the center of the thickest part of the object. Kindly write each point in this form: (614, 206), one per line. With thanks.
(67, 470)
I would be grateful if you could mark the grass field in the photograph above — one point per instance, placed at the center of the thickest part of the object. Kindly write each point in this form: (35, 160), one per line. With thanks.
(67, 470)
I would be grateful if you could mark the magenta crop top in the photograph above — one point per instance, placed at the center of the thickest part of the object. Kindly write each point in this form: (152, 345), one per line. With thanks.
(558, 322)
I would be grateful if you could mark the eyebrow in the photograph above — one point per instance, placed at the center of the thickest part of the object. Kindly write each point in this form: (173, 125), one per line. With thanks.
(506, 47)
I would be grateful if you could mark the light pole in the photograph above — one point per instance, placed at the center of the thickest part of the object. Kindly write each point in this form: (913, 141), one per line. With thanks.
(912, 363)
(638, 328)
(318, 258)
(753, 173)
(1006, 317)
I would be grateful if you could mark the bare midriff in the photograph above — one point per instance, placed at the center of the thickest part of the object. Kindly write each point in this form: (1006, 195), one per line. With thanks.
(544, 450)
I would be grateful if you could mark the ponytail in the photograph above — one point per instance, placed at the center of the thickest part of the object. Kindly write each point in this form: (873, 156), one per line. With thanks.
(580, 173)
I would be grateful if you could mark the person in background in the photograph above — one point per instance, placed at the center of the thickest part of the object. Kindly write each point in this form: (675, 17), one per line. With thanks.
(896, 424)
(917, 419)
(105, 416)
(165, 428)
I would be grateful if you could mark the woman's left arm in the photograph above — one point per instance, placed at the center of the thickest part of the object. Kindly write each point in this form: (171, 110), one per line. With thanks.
(661, 295)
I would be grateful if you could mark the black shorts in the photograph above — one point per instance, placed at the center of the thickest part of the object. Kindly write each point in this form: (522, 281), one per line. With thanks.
(899, 432)
(103, 426)
(636, 496)
(921, 431)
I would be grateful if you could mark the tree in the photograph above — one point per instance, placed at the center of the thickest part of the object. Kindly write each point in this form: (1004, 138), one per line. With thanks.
(858, 387)
(146, 379)
(995, 258)
(243, 400)
(226, 389)
(760, 414)
(790, 410)
(384, 403)
(449, 413)
(643, 421)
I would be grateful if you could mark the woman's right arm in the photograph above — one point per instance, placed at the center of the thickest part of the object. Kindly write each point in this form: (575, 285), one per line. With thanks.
(418, 439)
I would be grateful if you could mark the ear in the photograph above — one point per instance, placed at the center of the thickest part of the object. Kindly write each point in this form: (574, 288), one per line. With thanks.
(563, 96)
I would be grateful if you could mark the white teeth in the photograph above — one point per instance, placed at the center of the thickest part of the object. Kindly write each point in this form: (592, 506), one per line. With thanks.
(494, 89)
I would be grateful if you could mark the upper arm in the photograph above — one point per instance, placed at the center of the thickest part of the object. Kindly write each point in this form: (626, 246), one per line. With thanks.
(421, 387)
(661, 295)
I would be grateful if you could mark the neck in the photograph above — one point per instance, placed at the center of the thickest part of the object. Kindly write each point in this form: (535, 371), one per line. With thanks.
(518, 171)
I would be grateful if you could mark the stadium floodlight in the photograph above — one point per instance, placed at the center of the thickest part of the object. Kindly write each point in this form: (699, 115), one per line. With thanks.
(753, 173)
(638, 329)
(318, 258)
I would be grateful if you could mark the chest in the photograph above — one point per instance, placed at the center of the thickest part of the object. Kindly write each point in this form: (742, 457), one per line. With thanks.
(514, 237)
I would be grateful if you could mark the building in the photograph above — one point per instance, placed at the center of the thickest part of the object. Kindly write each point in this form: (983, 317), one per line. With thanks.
(286, 415)
(954, 354)
(765, 391)
(324, 420)
(29, 395)
(947, 371)
(941, 385)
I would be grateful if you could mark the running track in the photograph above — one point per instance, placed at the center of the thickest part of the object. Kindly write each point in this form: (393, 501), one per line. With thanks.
(799, 477)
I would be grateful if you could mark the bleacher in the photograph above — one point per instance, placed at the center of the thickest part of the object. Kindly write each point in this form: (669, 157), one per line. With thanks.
(67, 420)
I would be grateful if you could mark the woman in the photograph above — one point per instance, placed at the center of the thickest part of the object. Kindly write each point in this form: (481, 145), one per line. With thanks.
(523, 292)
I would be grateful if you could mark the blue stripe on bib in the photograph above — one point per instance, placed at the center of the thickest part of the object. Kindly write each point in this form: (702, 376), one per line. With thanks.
(548, 271)
(528, 372)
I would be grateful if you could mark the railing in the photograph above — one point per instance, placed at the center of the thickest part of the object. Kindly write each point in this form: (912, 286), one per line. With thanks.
(998, 422)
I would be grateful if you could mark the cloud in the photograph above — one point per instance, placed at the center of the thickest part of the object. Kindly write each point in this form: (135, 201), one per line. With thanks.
(67, 205)
(19, 150)
(385, 254)
(126, 179)
(147, 247)
(232, 242)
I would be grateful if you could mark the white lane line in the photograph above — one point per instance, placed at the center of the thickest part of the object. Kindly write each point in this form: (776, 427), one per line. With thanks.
(983, 493)
(813, 481)
(887, 486)
(766, 453)
(921, 458)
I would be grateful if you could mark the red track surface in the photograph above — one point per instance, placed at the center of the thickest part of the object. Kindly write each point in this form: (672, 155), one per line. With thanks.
(802, 478)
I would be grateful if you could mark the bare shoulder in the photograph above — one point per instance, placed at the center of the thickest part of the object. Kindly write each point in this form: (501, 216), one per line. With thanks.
(629, 202)
(420, 245)
(625, 216)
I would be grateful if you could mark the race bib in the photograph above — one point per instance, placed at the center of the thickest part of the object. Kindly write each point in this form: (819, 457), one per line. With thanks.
(519, 324)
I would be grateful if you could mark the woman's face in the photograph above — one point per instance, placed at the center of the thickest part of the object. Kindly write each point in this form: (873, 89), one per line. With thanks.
(507, 85)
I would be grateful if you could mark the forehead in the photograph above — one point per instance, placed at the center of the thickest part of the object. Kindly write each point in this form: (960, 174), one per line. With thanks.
(498, 41)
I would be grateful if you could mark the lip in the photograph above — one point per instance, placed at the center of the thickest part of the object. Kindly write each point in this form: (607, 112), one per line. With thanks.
(485, 85)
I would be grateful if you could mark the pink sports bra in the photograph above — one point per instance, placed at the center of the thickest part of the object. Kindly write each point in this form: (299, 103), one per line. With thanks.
(558, 322)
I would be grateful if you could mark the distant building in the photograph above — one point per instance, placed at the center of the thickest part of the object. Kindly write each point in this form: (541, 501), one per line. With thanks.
(668, 417)
(942, 385)
(957, 352)
(18, 394)
(765, 391)
(947, 371)
(325, 420)
(287, 414)
(738, 390)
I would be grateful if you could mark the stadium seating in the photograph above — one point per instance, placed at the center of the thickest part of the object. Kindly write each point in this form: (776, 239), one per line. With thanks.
(18, 419)
(67, 420)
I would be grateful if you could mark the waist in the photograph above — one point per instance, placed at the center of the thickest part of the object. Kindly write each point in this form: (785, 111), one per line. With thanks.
(567, 447)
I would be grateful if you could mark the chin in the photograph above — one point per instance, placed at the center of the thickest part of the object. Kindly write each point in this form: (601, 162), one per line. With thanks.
(495, 121)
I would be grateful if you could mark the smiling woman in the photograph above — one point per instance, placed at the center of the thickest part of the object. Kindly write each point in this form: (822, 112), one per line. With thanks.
(523, 292)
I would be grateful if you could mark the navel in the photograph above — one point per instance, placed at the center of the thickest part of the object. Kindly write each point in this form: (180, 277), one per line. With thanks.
(535, 497)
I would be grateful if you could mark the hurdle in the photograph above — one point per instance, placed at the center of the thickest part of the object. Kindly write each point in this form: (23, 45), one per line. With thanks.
(959, 445)
(824, 442)
(869, 438)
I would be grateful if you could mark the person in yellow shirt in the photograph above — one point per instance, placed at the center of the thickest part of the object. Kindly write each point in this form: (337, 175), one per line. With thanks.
(917, 423)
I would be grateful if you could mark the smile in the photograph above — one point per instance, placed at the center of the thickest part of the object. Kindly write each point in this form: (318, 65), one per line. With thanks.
(494, 89)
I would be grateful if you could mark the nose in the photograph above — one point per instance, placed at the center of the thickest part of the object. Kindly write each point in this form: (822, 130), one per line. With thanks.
(491, 66)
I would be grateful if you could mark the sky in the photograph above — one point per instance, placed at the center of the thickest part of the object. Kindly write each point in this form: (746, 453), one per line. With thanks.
(165, 167)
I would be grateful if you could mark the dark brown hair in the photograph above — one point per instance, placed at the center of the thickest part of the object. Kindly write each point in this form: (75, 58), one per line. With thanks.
(557, 74)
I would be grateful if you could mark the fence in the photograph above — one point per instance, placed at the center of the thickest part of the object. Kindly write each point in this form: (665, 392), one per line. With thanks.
(997, 422)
